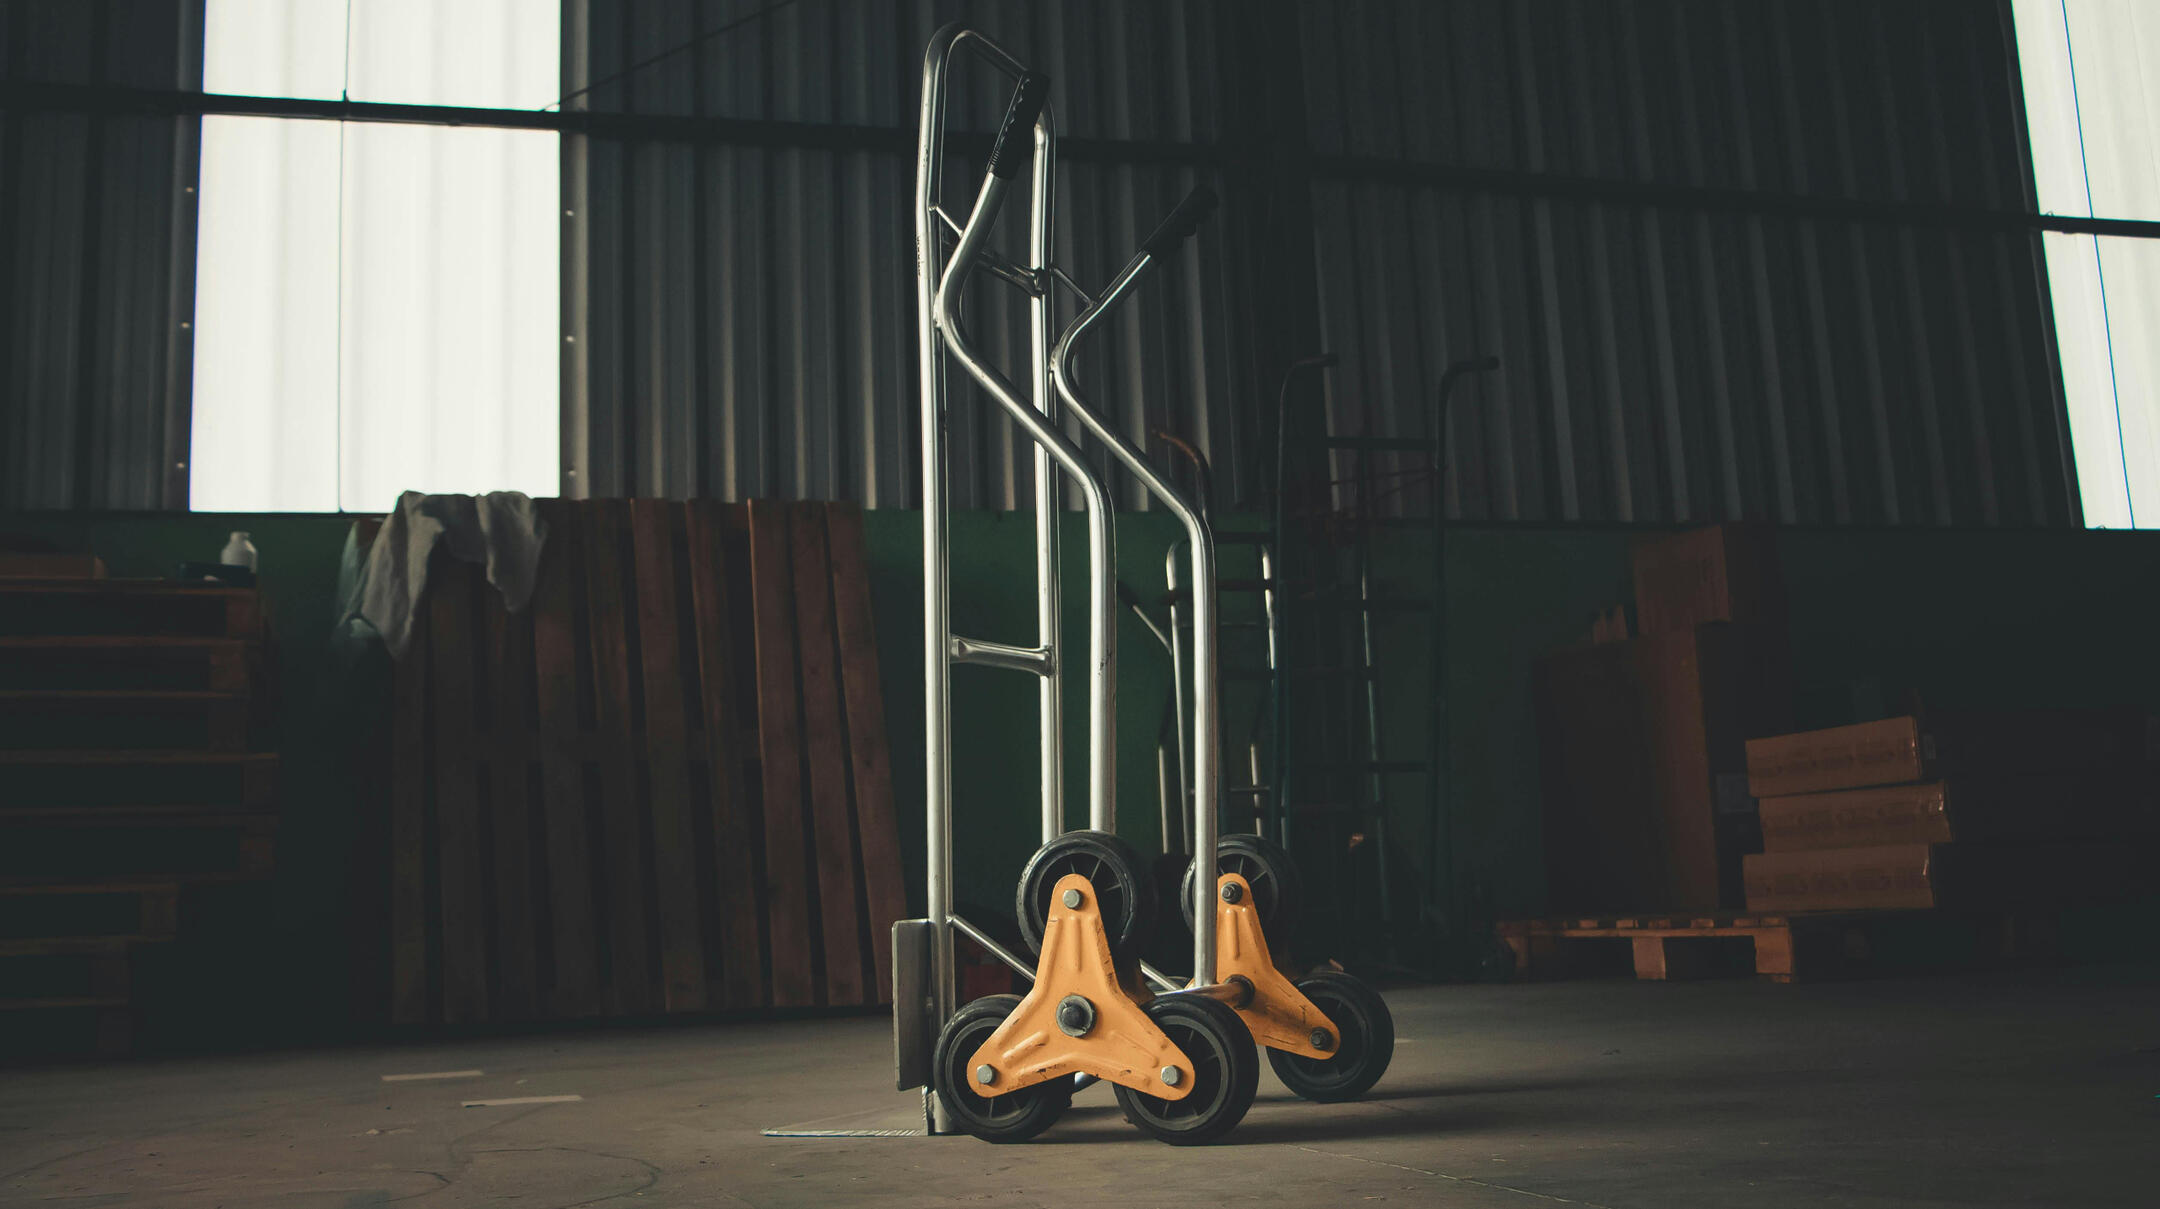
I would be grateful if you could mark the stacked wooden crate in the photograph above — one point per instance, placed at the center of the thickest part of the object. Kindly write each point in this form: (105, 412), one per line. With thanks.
(663, 787)
(1646, 805)
(1683, 818)
(125, 774)
(1647, 812)
(1960, 810)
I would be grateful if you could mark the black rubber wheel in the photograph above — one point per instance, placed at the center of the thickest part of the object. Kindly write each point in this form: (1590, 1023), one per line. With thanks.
(1123, 891)
(1224, 1069)
(1267, 868)
(1013, 1117)
(1362, 1052)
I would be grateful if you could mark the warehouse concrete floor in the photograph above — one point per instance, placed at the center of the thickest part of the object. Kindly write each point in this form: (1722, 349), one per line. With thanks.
(1997, 1090)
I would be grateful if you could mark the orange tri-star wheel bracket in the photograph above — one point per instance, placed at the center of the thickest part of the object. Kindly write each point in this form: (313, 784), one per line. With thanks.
(1279, 1015)
(1081, 1018)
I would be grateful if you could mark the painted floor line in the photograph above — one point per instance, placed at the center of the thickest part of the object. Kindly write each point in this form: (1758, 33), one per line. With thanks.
(843, 1133)
(434, 1074)
(520, 1100)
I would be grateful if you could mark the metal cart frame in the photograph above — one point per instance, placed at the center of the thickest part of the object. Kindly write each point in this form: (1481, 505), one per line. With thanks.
(1051, 394)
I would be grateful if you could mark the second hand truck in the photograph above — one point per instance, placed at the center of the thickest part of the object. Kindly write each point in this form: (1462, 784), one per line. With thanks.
(1180, 1053)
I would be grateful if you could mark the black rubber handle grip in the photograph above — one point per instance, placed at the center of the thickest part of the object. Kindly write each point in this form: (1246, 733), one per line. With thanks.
(1015, 138)
(1182, 222)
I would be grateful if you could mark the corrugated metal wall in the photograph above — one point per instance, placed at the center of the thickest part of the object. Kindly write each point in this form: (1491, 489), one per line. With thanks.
(739, 310)
(748, 330)
(1663, 361)
(97, 251)
(750, 327)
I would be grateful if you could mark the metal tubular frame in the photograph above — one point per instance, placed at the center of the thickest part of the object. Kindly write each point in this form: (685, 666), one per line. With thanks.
(1173, 643)
(936, 316)
(1206, 669)
(940, 281)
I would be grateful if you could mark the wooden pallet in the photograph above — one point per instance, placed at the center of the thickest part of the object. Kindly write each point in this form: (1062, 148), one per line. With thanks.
(125, 716)
(1792, 946)
(664, 787)
(138, 607)
(246, 839)
(105, 970)
(214, 721)
(157, 661)
(65, 568)
(96, 776)
(153, 910)
(1665, 946)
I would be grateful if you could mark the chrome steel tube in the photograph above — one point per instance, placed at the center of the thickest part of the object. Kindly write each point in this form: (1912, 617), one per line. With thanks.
(1206, 669)
(989, 943)
(937, 679)
(1102, 633)
(1165, 800)
(1181, 724)
(937, 619)
(1050, 693)
(1042, 661)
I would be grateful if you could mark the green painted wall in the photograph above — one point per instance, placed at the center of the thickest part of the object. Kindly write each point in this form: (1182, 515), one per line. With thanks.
(1981, 617)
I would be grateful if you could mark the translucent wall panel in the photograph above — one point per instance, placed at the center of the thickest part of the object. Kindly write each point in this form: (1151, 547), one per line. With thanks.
(451, 368)
(377, 305)
(503, 54)
(266, 326)
(275, 48)
(2094, 113)
(497, 54)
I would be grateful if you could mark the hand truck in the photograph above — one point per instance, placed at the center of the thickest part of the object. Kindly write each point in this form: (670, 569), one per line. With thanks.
(1181, 1061)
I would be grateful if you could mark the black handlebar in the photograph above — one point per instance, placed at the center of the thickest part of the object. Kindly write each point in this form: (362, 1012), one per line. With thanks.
(1182, 222)
(1013, 141)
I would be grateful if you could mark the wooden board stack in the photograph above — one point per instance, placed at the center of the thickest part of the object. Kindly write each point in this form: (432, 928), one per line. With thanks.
(1961, 810)
(663, 787)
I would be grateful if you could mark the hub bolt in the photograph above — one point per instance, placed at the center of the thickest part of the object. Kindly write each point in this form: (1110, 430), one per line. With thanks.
(1075, 1015)
(1072, 900)
(1245, 989)
(1232, 892)
(1171, 1075)
(986, 1074)
(1322, 1039)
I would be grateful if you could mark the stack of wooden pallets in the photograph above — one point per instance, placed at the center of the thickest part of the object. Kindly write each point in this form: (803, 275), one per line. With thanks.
(664, 787)
(125, 774)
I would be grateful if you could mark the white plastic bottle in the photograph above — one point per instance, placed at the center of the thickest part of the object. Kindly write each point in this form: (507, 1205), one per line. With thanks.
(239, 551)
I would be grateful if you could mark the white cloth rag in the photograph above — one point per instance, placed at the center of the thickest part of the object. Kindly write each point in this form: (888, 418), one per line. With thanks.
(502, 529)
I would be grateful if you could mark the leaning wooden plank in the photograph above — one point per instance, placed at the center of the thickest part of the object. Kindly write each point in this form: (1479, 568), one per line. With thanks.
(562, 772)
(409, 837)
(675, 851)
(509, 696)
(622, 838)
(825, 744)
(787, 869)
(460, 877)
(869, 758)
(734, 831)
